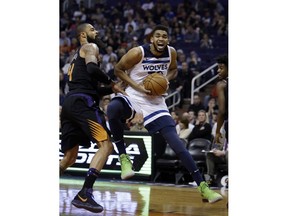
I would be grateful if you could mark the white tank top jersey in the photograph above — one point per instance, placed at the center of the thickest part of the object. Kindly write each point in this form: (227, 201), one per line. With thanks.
(152, 107)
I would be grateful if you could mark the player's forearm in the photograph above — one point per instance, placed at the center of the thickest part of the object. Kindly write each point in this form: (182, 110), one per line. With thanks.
(105, 91)
(172, 74)
(124, 77)
(220, 121)
(93, 68)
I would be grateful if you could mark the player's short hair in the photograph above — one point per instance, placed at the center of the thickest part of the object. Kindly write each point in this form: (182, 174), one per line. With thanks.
(81, 28)
(160, 27)
(223, 60)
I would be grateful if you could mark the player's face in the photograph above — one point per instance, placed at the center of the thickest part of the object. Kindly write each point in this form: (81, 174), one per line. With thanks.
(159, 40)
(91, 34)
(222, 71)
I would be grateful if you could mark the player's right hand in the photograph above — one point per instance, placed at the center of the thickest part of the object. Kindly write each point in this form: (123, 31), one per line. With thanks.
(142, 89)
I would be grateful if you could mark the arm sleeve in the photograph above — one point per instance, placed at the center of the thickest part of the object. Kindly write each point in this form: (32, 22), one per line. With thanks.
(93, 68)
(105, 91)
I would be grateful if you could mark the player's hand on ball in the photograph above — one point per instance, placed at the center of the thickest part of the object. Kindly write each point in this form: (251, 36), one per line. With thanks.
(142, 89)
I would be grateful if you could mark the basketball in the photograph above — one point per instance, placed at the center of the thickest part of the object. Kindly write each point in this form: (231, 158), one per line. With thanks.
(156, 83)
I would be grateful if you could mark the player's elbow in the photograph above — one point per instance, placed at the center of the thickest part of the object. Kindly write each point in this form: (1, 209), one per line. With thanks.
(117, 70)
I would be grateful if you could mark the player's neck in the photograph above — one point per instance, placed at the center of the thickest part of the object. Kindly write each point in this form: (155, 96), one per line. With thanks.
(154, 51)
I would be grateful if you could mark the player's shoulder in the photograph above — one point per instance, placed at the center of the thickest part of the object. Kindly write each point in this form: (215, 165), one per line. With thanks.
(89, 48)
(172, 49)
(221, 84)
(135, 51)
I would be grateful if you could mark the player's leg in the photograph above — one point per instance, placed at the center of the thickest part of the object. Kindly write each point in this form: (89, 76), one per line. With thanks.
(170, 135)
(84, 198)
(92, 128)
(118, 111)
(69, 136)
(68, 159)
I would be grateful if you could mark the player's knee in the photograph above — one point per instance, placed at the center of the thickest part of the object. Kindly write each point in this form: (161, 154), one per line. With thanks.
(72, 160)
(67, 161)
(110, 147)
(114, 109)
(106, 146)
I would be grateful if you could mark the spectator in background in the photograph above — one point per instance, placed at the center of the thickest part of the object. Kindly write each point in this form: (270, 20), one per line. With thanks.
(107, 56)
(97, 16)
(198, 5)
(194, 63)
(147, 5)
(64, 39)
(118, 27)
(222, 26)
(128, 10)
(212, 160)
(130, 21)
(194, 60)
(64, 49)
(202, 128)
(210, 109)
(181, 57)
(185, 76)
(191, 117)
(197, 104)
(185, 115)
(206, 42)
(175, 117)
(175, 85)
(169, 13)
(110, 65)
(74, 44)
(138, 125)
(120, 52)
(183, 130)
(110, 68)
(130, 35)
(192, 34)
(177, 35)
(222, 130)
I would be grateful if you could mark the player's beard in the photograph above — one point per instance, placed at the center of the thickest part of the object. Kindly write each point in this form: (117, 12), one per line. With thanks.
(97, 41)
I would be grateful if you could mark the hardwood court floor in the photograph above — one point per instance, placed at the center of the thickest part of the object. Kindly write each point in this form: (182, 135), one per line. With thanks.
(127, 198)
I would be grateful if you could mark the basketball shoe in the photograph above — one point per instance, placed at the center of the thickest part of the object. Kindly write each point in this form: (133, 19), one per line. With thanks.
(126, 167)
(85, 199)
(208, 194)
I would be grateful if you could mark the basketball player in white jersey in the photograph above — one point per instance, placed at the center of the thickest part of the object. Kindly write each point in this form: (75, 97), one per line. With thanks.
(132, 69)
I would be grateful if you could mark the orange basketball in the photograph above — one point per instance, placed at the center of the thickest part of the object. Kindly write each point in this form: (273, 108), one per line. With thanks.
(156, 83)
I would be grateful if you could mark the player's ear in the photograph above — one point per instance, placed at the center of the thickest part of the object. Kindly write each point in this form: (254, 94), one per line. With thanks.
(83, 34)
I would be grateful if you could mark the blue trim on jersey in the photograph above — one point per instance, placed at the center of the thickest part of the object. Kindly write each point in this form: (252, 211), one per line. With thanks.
(159, 123)
(127, 100)
(155, 61)
(155, 113)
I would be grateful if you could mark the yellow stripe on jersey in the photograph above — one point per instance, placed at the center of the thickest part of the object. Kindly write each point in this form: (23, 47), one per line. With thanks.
(97, 131)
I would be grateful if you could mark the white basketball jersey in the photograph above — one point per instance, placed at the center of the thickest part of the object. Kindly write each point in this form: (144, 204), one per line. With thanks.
(152, 107)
